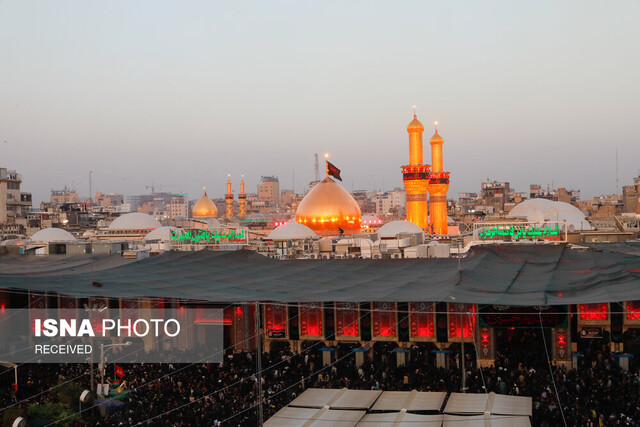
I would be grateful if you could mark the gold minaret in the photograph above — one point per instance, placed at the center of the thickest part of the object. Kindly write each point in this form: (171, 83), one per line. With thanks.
(416, 176)
(438, 186)
(242, 200)
(229, 199)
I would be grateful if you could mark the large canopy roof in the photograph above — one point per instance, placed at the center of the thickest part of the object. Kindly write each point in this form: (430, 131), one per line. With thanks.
(523, 275)
(328, 407)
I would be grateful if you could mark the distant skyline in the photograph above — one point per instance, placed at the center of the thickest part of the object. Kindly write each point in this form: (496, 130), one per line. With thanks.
(184, 93)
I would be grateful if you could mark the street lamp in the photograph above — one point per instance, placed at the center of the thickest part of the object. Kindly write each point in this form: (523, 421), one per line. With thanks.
(84, 397)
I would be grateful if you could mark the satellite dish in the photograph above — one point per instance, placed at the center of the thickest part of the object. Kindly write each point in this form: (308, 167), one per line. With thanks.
(19, 422)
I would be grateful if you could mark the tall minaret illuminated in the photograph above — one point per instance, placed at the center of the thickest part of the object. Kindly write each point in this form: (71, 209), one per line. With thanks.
(416, 176)
(438, 186)
(242, 200)
(229, 199)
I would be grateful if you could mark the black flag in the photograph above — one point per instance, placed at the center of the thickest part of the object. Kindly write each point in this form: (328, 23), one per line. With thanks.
(333, 171)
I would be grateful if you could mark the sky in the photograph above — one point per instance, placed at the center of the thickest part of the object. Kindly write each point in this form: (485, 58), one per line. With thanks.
(181, 94)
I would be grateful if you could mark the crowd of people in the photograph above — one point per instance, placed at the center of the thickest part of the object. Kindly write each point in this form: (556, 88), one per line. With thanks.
(598, 393)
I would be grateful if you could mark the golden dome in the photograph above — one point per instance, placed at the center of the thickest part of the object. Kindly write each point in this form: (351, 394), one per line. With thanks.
(327, 208)
(205, 207)
(415, 125)
(436, 138)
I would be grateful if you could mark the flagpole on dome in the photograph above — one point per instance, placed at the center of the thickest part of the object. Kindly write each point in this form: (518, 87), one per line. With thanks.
(326, 163)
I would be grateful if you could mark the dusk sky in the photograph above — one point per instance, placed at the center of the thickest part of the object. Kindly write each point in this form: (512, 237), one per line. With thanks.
(182, 93)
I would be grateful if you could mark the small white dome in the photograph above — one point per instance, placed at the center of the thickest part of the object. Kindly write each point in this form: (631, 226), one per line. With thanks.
(135, 221)
(162, 233)
(391, 229)
(213, 224)
(533, 209)
(15, 242)
(53, 235)
(292, 231)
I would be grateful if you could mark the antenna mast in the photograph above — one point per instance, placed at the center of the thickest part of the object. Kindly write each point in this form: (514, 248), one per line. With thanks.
(617, 185)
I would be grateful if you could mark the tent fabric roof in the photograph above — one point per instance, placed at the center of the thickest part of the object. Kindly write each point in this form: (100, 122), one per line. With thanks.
(410, 400)
(511, 405)
(491, 403)
(508, 275)
(321, 409)
(400, 419)
(355, 399)
(312, 417)
(463, 403)
(486, 421)
(316, 397)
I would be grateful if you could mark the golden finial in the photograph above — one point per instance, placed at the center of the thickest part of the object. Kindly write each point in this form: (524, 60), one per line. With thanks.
(326, 161)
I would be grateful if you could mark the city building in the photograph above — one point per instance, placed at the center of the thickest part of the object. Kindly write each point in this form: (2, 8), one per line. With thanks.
(467, 202)
(150, 203)
(269, 191)
(631, 202)
(536, 191)
(14, 204)
(390, 203)
(64, 196)
(495, 194)
(108, 199)
(289, 201)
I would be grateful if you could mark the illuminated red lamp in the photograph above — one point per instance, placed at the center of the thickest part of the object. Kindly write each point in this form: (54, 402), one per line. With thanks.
(485, 342)
(561, 343)
(462, 324)
(238, 311)
(347, 320)
(598, 311)
(275, 318)
(2, 308)
(422, 319)
(310, 319)
(384, 319)
(561, 336)
(633, 310)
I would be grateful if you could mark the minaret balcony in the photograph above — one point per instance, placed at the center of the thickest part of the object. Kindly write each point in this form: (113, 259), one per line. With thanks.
(415, 172)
